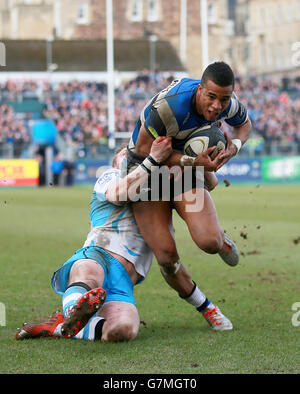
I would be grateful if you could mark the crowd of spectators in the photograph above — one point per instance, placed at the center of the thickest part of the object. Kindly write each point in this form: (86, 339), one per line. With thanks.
(79, 109)
(274, 109)
(14, 134)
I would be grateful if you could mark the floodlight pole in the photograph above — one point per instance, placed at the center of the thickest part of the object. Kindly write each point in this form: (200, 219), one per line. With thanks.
(152, 52)
(204, 33)
(183, 16)
(57, 17)
(49, 49)
(110, 74)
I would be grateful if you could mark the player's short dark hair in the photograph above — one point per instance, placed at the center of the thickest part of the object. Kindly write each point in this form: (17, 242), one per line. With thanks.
(220, 73)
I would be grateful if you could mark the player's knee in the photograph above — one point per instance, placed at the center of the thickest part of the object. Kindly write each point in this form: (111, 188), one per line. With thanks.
(166, 256)
(168, 261)
(123, 331)
(170, 268)
(87, 271)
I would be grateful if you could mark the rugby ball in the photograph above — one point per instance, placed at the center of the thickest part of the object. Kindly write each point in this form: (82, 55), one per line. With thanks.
(202, 139)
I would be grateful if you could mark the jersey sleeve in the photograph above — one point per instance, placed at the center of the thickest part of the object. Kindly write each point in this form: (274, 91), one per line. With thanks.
(105, 181)
(154, 124)
(237, 114)
(160, 117)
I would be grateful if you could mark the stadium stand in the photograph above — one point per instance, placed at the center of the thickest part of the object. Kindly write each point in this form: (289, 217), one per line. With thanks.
(274, 113)
(79, 111)
(87, 55)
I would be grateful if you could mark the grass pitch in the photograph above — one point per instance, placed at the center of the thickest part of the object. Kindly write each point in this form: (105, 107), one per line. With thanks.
(41, 228)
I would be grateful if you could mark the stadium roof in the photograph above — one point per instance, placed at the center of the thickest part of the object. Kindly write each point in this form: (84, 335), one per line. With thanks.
(88, 55)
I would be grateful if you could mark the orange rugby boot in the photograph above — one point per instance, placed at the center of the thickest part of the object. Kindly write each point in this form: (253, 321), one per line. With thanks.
(38, 330)
(82, 311)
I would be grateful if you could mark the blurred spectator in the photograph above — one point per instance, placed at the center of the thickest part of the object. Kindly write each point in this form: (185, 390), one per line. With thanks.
(14, 135)
(42, 170)
(69, 172)
(57, 167)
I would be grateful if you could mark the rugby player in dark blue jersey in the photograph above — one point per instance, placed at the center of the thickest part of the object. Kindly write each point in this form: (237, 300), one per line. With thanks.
(177, 111)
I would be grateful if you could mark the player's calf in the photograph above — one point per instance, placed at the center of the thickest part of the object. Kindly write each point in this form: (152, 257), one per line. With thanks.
(211, 243)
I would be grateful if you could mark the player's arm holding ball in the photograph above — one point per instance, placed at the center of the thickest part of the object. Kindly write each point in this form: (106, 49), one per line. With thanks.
(241, 134)
(241, 130)
(178, 159)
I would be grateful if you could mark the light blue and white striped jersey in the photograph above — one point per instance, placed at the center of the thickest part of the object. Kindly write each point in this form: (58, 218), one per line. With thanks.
(114, 228)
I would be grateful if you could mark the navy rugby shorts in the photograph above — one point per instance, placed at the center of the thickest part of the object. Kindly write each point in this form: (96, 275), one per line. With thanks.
(167, 188)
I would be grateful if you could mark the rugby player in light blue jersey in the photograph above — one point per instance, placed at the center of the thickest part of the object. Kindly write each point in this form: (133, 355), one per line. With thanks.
(177, 111)
(100, 277)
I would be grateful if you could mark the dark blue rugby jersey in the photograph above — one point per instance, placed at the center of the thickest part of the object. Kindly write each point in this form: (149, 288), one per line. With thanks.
(172, 112)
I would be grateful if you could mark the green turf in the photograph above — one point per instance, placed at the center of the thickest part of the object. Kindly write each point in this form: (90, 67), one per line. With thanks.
(40, 229)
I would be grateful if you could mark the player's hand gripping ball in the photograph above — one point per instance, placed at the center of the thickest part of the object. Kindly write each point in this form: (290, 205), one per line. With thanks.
(202, 139)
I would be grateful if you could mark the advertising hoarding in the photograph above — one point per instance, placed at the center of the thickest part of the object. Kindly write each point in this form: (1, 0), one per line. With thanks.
(19, 172)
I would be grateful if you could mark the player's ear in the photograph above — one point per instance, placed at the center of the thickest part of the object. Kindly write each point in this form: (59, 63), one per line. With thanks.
(200, 88)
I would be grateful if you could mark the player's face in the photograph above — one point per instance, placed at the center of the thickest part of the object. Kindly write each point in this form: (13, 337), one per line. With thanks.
(212, 99)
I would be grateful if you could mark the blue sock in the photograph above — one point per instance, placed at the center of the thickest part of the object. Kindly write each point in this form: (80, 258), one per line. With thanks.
(92, 330)
(72, 295)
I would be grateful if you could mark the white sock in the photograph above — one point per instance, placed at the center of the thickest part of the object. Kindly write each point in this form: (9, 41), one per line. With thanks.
(198, 299)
